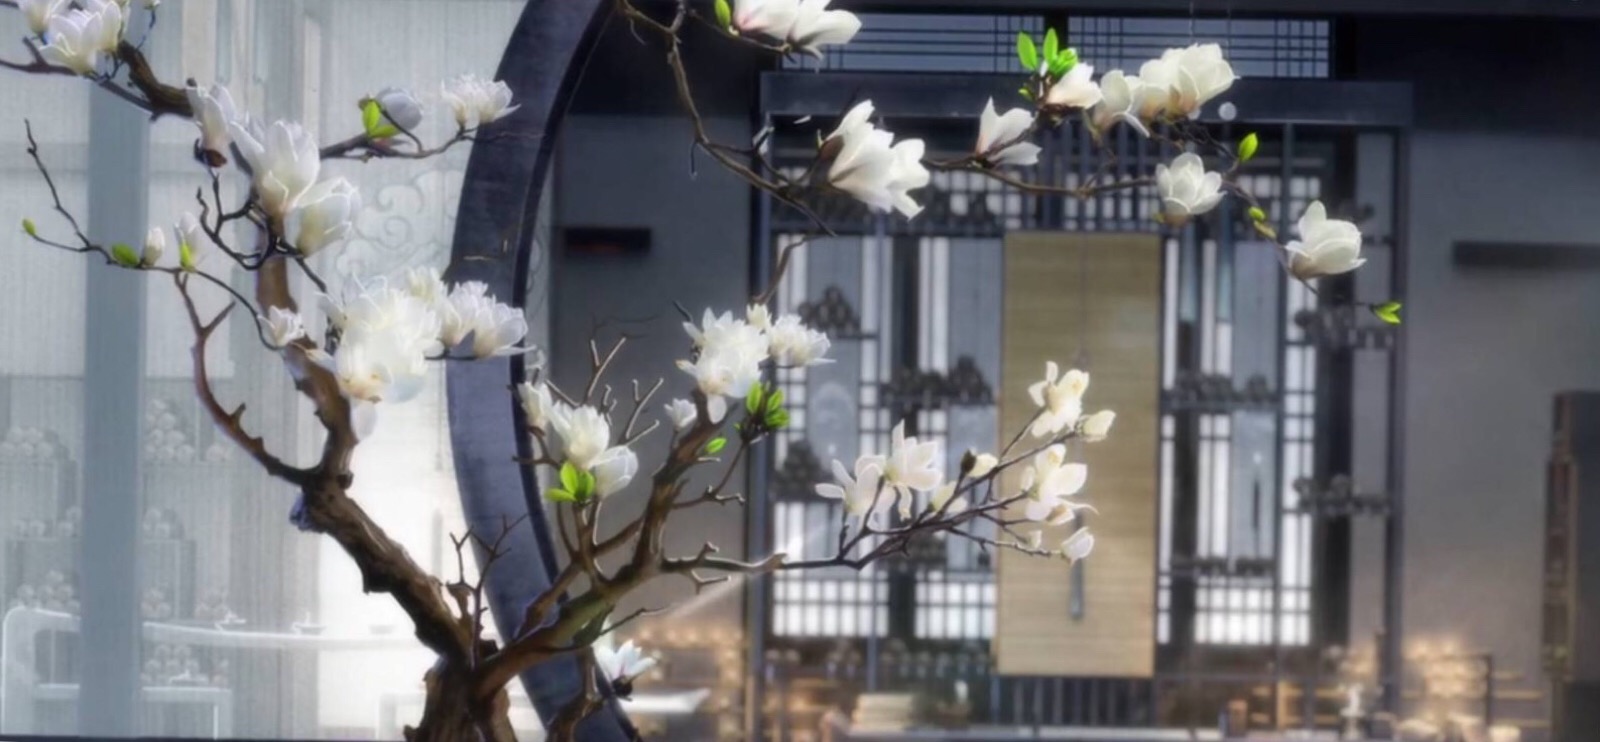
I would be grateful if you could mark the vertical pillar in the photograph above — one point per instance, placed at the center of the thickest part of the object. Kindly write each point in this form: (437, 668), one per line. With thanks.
(113, 377)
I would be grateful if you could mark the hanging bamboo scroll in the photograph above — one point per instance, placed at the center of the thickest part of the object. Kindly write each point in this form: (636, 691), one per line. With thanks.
(1100, 293)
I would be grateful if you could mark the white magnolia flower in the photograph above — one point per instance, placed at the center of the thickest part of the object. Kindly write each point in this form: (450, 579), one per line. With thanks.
(400, 331)
(758, 316)
(724, 373)
(1049, 481)
(1186, 189)
(214, 111)
(581, 435)
(911, 465)
(1124, 97)
(1326, 247)
(477, 102)
(39, 13)
(771, 18)
(1060, 399)
(191, 235)
(470, 311)
(537, 402)
(1190, 77)
(400, 107)
(282, 326)
(731, 352)
(791, 343)
(724, 330)
(325, 214)
(875, 169)
(625, 664)
(682, 413)
(284, 160)
(155, 245)
(982, 464)
(613, 469)
(995, 129)
(79, 39)
(1096, 427)
(1078, 545)
(815, 27)
(860, 493)
(389, 365)
(378, 307)
(1076, 89)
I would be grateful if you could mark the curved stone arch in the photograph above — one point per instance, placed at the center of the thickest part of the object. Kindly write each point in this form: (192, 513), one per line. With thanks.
(494, 243)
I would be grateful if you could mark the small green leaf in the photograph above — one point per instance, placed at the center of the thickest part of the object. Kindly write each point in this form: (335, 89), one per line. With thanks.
(383, 131)
(1266, 231)
(586, 485)
(570, 477)
(560, 495)
(724, 14)
(1247, 147)
(716, 445)
(775, 400)
(1052, 45)
(125, 255)
(185, 256)
(1027, 53)
(1257, 215)
(777, 419)
(28, 226)
(371, 116)
(752, 399)
(1026, 93)
(1063, 62)
(1388, 311)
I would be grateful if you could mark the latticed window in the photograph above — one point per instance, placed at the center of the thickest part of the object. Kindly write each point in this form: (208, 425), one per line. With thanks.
(1234, 568)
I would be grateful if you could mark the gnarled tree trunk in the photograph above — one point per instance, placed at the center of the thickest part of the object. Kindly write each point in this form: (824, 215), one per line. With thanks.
(493, 243)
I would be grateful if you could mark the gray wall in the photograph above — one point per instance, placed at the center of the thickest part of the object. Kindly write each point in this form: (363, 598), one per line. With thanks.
(1501, 153)
(633, 171)
(1488, 349)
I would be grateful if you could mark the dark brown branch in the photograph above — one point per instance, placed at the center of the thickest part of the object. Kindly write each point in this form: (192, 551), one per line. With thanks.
(230, 423)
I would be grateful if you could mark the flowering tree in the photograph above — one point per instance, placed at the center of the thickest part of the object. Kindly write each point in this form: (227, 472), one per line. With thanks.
(383, 334)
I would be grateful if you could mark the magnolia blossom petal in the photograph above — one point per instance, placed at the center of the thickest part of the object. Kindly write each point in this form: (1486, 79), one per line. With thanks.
(1076, 89)
(982, 465)
(537, 402)
(39, 13)
(282, 327)
(581, 435)
(325, 214)
(995, 130)
(815, 26)
(682, 413)
(1187, 189)
(1326, 246)
(1078, 545)
(284, 159)
(614, 469)
(400, 107)
(214, 113)
(770, 18)
(1096, 427)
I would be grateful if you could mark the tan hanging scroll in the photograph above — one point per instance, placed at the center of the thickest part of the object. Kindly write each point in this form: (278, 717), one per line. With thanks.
(1113, 631)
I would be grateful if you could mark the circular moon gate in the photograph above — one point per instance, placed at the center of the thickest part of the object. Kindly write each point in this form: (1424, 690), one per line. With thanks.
(493, 243)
